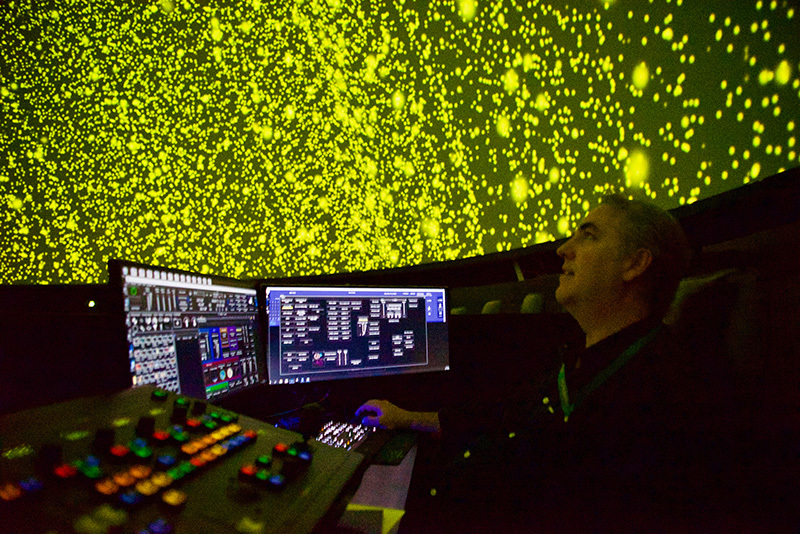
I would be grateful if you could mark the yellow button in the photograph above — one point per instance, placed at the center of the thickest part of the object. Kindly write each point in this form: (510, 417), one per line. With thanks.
(147, 488)
(250, 526)
(174, 497)
(162, 480)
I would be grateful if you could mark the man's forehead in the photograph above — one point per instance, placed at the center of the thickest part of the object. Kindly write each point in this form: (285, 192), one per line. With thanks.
(601, 218)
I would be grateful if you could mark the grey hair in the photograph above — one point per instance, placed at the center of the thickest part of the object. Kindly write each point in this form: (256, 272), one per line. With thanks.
(646, 226)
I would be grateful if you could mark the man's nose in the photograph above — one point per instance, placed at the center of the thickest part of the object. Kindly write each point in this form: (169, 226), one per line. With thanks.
(565, 248)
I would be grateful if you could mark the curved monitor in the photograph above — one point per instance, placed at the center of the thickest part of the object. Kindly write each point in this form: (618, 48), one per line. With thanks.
(190, 333)
(334, 332)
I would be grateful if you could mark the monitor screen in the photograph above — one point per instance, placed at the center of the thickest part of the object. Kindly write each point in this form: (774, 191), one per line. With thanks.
(190, 333)
(327, 333)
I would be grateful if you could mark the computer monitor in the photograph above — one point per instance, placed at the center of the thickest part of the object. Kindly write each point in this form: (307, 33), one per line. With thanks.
(329, 333)
(190, 333)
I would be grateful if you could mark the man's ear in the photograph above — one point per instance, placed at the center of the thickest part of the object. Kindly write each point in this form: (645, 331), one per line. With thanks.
(636, 264)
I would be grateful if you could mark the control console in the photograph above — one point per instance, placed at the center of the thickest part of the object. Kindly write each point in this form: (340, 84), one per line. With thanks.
(148, 461)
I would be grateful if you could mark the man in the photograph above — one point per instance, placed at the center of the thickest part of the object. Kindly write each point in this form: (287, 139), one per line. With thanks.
(622, 266)
(617, 436)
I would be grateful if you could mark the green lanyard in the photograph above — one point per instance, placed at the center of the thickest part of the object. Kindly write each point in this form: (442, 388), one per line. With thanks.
(621, 360)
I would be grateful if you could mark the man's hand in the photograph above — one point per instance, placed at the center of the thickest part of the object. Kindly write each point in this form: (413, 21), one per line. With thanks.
(384, 414)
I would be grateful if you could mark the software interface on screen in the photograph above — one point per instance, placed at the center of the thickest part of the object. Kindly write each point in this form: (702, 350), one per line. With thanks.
(192, 334)
(325, 333)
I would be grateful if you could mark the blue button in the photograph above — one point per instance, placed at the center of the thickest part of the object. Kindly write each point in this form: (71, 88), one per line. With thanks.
(31, 484)
(131, 498)
(165, 460)
(159, 526)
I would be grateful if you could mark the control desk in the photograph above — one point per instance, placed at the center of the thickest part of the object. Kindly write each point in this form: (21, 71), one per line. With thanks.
(147, 461)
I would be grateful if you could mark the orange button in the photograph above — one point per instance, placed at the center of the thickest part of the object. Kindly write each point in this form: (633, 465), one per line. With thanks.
(124, 479)
(106, 487)
(140, 471)
(10, 492)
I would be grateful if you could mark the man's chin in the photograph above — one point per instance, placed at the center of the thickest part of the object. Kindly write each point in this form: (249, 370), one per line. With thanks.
(561, 295)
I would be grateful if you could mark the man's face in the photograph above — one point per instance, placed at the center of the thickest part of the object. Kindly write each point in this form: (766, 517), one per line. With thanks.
(593, 262)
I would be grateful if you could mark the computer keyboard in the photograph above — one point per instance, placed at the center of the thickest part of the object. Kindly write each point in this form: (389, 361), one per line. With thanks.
(345, 435)
(378, 445)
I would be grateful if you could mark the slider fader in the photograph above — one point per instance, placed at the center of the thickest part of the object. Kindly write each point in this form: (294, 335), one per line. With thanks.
(146, 461)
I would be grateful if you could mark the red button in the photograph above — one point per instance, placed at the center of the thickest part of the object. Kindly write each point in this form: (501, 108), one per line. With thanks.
(160, 435)
(281, 448)
(120, 451)
(65, 471)
(247, 471)
(193, 423)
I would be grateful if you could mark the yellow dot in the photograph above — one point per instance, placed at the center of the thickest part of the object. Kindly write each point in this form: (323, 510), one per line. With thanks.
(503, 126)
(511, 81)
(398, 99)
(563, 225)
(637, 169)
(783, 73)
(641, 76)
(519, 189)
(467, 9)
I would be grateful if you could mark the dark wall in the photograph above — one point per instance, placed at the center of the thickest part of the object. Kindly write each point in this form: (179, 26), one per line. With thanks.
(54, 346)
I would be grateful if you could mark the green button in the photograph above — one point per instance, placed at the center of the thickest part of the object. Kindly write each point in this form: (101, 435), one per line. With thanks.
(186, 468)
(111, 516)
(144, 452)
(91, 471)
(176, 473)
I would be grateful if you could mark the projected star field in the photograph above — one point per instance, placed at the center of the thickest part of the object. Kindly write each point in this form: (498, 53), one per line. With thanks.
(258, 139)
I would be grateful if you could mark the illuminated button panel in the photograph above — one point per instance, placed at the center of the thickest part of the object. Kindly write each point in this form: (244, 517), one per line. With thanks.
(139, 476)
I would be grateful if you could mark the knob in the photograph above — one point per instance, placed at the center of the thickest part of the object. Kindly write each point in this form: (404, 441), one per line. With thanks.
(103, 440)
(146, 426)
(48, 457)
(199, 408)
